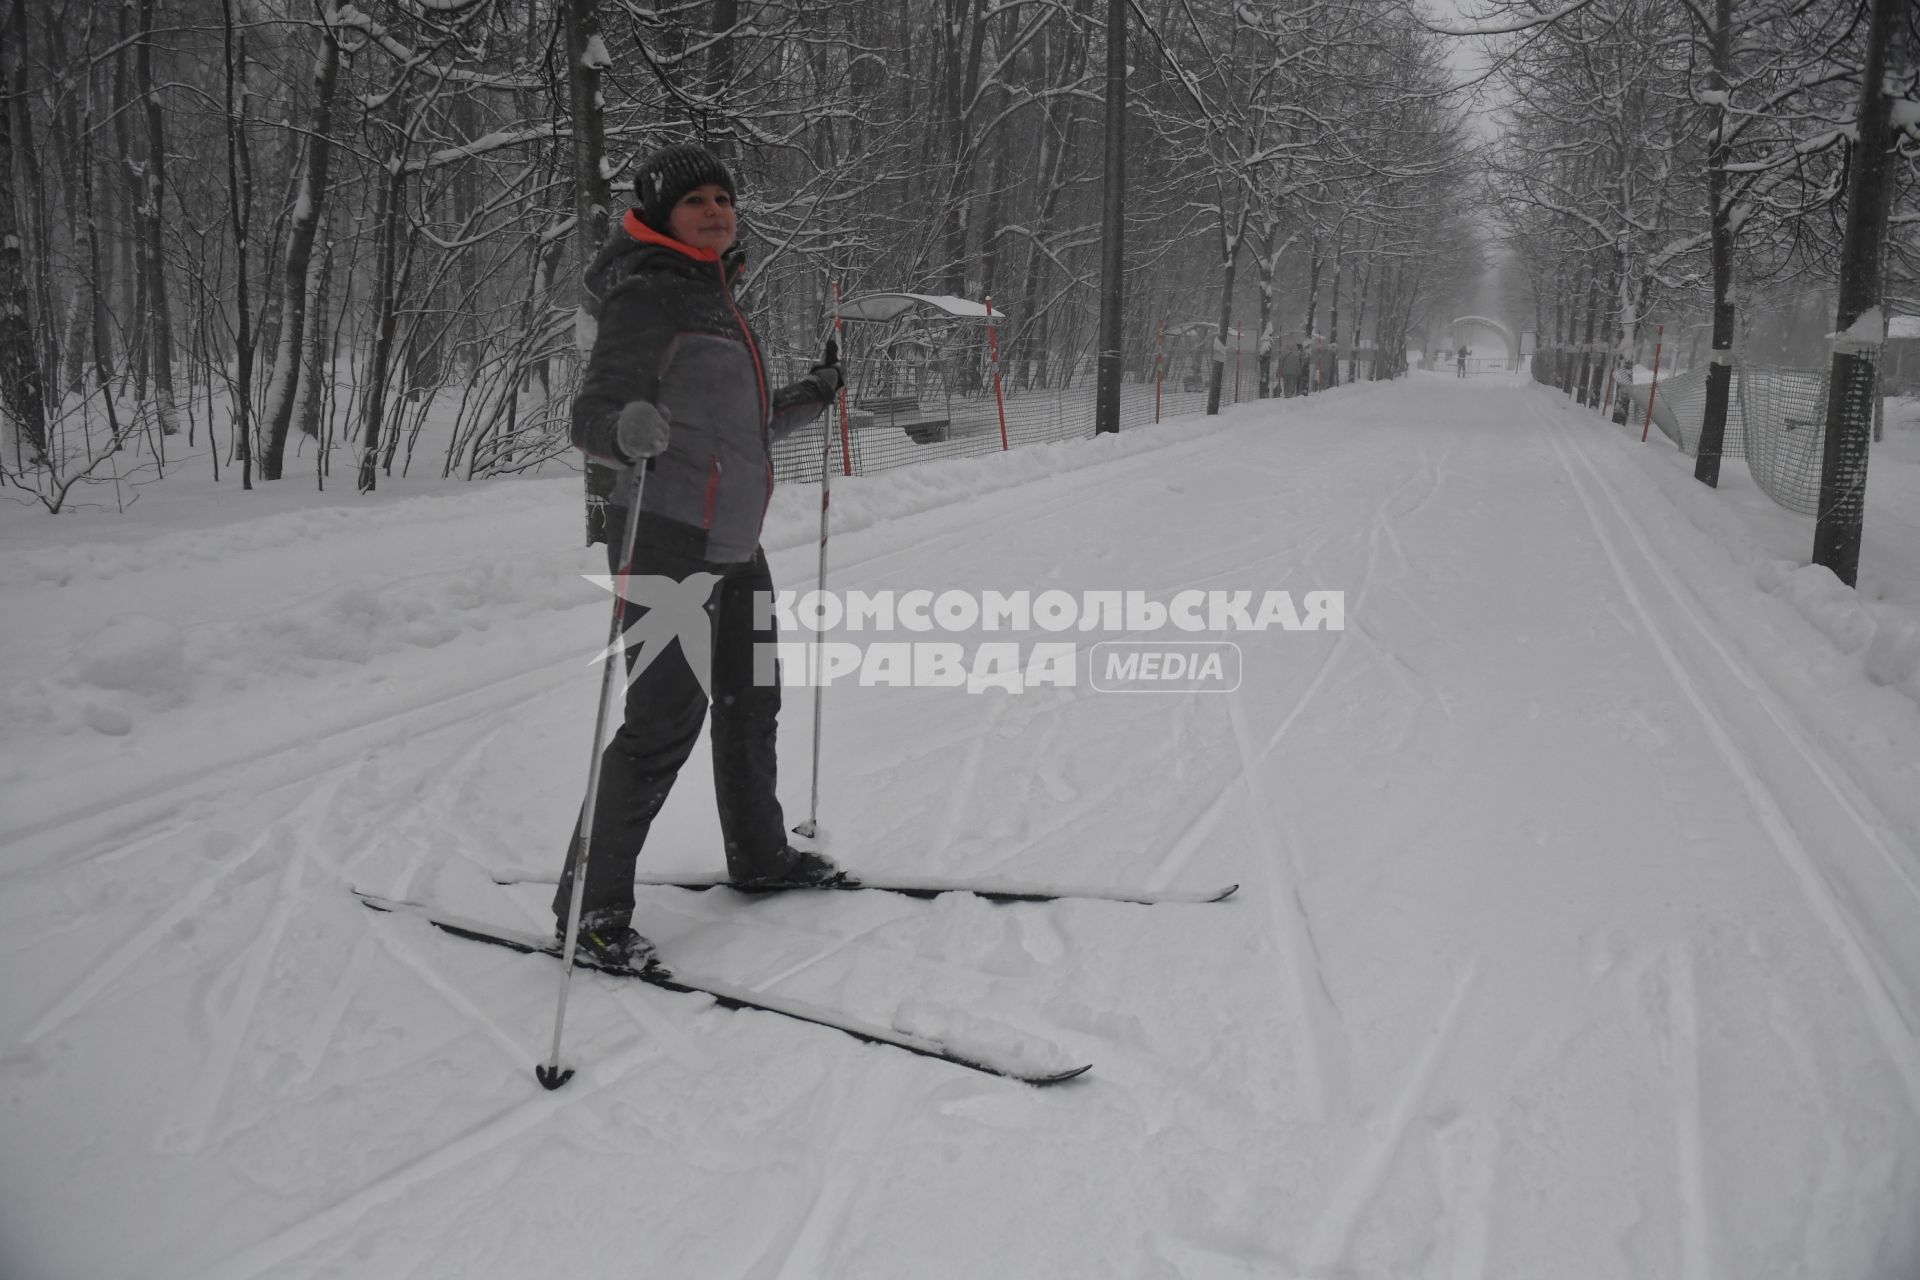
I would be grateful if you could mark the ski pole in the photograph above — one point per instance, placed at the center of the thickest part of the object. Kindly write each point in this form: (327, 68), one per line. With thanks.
(550, 1073)
(811, 827)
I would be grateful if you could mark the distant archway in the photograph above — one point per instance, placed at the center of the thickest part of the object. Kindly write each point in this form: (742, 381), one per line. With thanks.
(1506, 335)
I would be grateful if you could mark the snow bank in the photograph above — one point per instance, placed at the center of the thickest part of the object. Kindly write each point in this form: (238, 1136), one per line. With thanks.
(138, 654)
(1822, 599)
(1885, 637)
(149, 665)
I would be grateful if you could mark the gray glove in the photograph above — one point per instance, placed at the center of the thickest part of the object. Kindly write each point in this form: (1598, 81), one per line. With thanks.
(642, 431)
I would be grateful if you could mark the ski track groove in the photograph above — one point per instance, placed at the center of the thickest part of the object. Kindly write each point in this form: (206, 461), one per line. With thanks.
(1095, 476)
(515, 1052)
(313, 1045)
(1320, 1051)
(965, 783)
(1197, 831)
(974, 739)
(1468, 1156)
(806, 1248)
(211, 1082)
(102, 975)
(1692, 1193)
(1883, 1011)
(1333, 1232)
(337, 746)
(1810, 753)
(266, 1256)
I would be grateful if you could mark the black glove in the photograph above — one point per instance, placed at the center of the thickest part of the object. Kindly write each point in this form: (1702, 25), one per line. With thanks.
(642, 431)
(826, 376)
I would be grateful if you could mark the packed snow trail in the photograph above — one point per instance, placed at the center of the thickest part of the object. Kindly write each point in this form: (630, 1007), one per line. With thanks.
(1576, 938)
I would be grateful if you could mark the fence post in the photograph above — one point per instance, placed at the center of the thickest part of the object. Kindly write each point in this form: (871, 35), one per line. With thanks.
(1239, 341)
(993, 345)
(1654, 389)
(1159, 367)
(1606, 401)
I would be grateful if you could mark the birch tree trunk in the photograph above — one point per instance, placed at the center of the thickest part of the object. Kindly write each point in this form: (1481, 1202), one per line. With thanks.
(386, 274)
(586, 58)
(282, 389)
(240, 209)
(160, 309)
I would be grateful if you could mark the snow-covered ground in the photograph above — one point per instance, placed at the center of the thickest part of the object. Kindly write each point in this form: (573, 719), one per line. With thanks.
(1579, 929)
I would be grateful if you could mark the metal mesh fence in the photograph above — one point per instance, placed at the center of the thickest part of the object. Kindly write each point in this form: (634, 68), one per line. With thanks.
(1786, 415)
(903, 411)
(1681, 405)
(1776, 421)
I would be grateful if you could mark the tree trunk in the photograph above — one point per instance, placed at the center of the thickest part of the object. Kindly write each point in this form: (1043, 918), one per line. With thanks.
(1713, 419)
(1264, 361)
(726, 15)
(1597, 371)
(386, 275)
(1230, 253)
(1333, 320)
(96, 288)
(160, 309)
(296, 271)
(1313, 293)
(963, 148)
(995, 218)
(240, 209)
(1850, 387)
(311, 393)
(1360, 313)
(22, 392)
(1056, 150)
(591, 193)
(125, 195)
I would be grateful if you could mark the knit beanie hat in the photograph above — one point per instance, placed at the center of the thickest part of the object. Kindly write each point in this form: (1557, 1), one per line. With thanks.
(666, 176)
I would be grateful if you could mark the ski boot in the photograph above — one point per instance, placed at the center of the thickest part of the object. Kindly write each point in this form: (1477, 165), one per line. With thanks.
(801, 869)
(609, 945)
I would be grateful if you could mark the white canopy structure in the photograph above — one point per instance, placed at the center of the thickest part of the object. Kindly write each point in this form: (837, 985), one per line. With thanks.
(891, 306)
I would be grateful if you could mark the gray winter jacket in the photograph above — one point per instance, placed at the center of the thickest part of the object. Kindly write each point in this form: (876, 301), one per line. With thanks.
(671, 334)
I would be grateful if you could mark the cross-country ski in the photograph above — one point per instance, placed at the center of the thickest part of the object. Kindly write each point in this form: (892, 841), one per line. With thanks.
(989, 888)
(1010, 1058)
(951, 641)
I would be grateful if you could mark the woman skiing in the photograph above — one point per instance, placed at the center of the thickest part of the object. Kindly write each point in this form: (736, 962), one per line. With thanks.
(675, 385)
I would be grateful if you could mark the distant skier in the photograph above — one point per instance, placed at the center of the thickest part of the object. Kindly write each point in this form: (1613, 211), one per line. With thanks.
(675, 383)
(1290, 365)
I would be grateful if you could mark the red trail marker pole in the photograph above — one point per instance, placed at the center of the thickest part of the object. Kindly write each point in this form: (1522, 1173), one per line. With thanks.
(993, 345)
(1653, 390)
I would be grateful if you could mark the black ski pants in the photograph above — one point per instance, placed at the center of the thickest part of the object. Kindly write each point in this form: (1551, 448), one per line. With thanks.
(665, 708)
